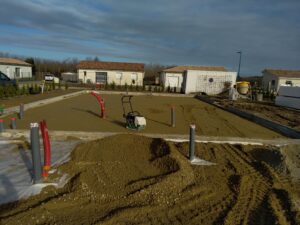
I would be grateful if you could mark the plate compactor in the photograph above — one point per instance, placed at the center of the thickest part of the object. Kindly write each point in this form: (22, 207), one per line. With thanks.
(134, 120)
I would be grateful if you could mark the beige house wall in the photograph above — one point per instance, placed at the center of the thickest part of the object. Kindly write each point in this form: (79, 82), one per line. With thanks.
(10, 71)
(283, 80)
(118, 77)
(267, 81)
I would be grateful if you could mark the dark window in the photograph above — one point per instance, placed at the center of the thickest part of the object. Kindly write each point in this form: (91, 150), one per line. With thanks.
(84, 73)
(273, 82)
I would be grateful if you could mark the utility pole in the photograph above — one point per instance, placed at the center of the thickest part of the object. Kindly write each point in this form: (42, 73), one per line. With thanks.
(238, 75)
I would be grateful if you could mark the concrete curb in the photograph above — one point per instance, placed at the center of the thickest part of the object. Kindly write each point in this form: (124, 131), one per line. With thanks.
(144, 93)
(281, 129)
(39, 103)
(87, 136)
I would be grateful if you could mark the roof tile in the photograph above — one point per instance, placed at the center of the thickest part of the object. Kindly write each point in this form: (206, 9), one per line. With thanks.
(283, 73)
(137, 67)
(11, 61)
(180, 69)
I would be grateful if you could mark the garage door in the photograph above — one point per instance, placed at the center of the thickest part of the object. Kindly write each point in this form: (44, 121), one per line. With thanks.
(101, 77)
(173, 81)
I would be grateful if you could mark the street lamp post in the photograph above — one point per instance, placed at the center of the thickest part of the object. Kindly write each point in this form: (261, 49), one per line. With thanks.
(238, 75)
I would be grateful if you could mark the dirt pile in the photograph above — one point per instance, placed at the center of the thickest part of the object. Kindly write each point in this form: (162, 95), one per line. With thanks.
(129, 179)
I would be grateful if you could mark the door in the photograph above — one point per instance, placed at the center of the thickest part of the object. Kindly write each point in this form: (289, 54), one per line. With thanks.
(101, 77)
(17, 74)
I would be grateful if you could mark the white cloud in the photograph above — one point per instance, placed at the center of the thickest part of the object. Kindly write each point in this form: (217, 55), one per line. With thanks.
(163, 31)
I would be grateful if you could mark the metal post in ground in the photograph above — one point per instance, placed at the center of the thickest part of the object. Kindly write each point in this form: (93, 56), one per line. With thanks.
(192, 142)
(1, 125)
(35, 151)
(13, 123)
(173, 116)
(21, 112)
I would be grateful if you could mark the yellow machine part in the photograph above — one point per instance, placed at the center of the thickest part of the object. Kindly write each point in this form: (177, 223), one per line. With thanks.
(243, 87)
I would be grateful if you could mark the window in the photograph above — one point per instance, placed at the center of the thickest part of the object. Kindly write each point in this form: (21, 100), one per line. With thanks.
(119, 75)
(211, 80)
(273, 82)
(288, 82)
(84, 73)
(134, 78)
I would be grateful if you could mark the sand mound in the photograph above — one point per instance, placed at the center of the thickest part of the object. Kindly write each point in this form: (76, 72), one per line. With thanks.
(129, 179)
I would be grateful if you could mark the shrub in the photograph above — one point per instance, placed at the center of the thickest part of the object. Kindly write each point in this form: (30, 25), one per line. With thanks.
(105, 86)
(53, 85)
(59, 86)
(26, 89)
(9, 91)
(66, 86)
(23, 90)
(1, 92)
(113, 86)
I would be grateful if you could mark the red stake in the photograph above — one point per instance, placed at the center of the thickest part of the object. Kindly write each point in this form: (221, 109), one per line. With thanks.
(47, 148)
(101, 102)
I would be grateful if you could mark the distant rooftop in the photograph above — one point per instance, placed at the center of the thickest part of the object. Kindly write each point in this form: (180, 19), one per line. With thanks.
(180, 69)
(283, 73)
(11, 61)
(137, 67)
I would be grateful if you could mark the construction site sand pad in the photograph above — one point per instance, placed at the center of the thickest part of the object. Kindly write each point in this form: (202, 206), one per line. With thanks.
(82, 114)
(128, 179)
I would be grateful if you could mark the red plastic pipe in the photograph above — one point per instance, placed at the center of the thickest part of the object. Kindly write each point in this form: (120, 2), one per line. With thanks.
(47, 148)
(101, 103)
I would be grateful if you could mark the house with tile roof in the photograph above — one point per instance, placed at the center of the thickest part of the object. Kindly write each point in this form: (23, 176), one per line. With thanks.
(195, 79)
(274, 78)
(15, 68)
(120, 73)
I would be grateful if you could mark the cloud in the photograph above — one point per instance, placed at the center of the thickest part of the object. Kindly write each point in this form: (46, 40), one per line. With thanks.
(207, 32)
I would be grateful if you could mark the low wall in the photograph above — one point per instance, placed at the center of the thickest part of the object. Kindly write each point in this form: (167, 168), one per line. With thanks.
(284, 130)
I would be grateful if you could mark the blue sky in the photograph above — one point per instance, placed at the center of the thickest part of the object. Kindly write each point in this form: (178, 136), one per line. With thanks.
(182, 32)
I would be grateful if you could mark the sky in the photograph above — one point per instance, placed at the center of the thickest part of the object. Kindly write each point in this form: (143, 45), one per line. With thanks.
(168, 32)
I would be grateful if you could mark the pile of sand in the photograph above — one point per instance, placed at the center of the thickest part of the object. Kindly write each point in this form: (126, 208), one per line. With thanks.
(129, 179)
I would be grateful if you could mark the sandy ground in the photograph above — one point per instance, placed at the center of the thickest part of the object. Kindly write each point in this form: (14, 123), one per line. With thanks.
(281, 115)
(15, 101)
(82, 114)
(128, 179)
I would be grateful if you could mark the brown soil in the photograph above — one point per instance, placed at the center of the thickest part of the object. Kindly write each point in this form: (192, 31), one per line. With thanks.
(281, 115)
(129, 179)
(15, 101)
(82, 114)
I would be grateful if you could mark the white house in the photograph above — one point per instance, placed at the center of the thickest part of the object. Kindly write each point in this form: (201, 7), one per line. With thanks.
(288, 96)
(273, 79)
(15, 68)
(108, 72)
(192, 79)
